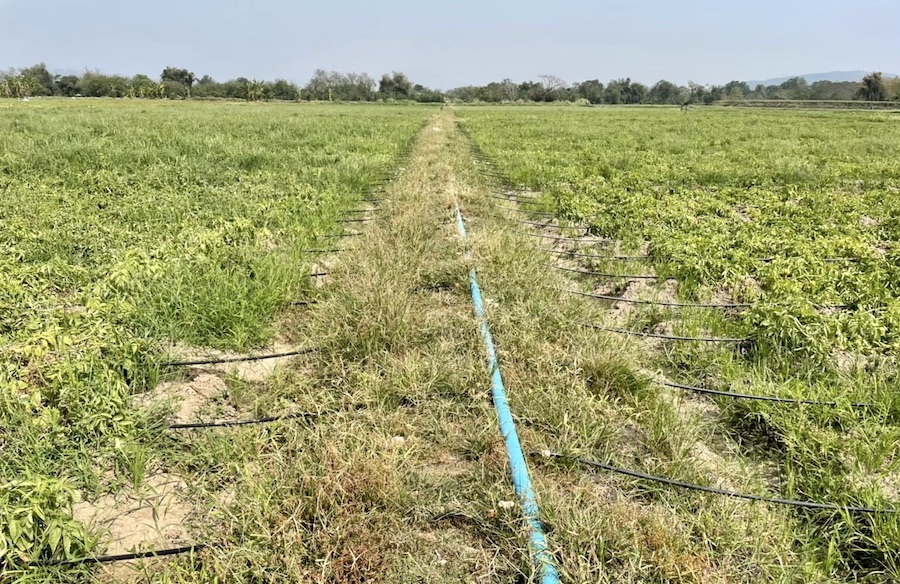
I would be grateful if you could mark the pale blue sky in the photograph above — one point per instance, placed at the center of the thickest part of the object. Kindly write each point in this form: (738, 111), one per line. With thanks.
(446, 44)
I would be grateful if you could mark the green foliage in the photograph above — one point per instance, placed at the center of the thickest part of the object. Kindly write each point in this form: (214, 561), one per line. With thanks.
(128, 227)
(757, 207)
(182, 77)
(96, 84)
(715, 194)
(36, 523)
(332, 85)
(41, 79)
(873, 88)
(395, 86)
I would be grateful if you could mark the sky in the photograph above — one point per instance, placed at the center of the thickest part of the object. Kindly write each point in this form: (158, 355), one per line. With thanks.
(449, 44)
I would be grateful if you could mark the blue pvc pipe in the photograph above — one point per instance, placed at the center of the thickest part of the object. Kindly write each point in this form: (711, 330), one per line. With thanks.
(521, 481)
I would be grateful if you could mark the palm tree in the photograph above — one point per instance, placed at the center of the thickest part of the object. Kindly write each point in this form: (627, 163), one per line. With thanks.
(254, 90)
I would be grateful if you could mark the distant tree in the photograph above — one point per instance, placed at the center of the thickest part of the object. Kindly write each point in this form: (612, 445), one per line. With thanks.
(696, 92)
(614, 93)
(555, 88)
(873, 88)
(96, 84)
(552, 82)
(794, 88)
(466, 93)
(206, 86)
(175, 89)
(13, 84)
(386, 86)
(318, 85)
(181, 76)
(285, 90)
(235, 88)
(42, 81)
(664, 92)
(395, 85)
(531, 90)
(509, 90)
(68, 85)
(143, 87)
(831, 90)
(624, 91)
(715, 93)
(423, 94)
(358, 87)
(759, 92)
(254, 90)
(893, 88)
(331, 85)
(498, 91)
(736, 90)
(636, 93)
(591, 90)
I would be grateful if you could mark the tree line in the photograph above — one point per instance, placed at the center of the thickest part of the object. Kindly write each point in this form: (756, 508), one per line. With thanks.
(625, 91)
(180, 83)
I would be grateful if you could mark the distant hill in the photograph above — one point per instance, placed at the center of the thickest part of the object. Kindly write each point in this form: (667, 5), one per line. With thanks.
(837, 76)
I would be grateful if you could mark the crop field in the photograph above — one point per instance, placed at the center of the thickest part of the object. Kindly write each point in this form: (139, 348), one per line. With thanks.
(130, 230)
(768, 242)
(241, 336)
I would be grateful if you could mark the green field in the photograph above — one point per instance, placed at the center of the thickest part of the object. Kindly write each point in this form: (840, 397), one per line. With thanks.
(794, 213)
(133, 233)
(129, 227)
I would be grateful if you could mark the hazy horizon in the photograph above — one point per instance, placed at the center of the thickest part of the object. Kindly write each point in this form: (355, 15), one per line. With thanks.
(443, 47)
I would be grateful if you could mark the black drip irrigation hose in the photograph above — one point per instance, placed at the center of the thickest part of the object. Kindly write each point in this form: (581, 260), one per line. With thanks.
(515, 199)
(786, 400)
(717, 491)
(122, 557)
(336, 235)
(712, 305)
(568, 239)
(827, 260)
(599, 256)
(234, 423)
(217, 361)
(527, 199)
(646, 257)
(302, 302)
(322, 250)
(550, 225)
(356, 220)
(514, 191)
(661, 336)
(258, 421)
(653, 302)
(527, 212)
(318, 274)
(605, 274)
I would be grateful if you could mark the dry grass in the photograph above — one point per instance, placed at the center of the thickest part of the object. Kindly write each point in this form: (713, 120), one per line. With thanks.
(401, 480)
